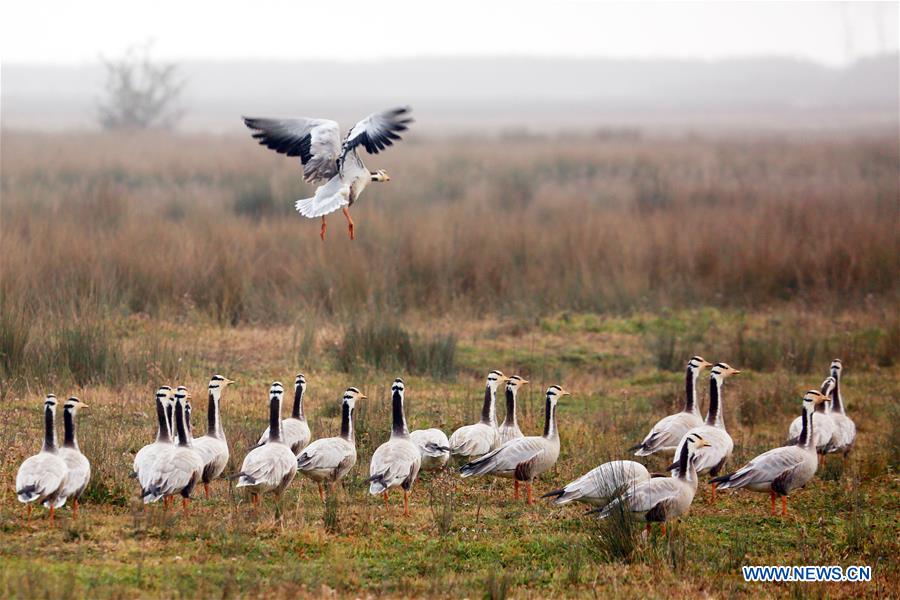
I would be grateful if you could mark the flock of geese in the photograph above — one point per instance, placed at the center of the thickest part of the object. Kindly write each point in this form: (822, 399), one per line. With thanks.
(176, 462)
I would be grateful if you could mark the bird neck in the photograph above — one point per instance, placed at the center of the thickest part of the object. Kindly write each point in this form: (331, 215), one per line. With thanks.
(686, 469)
(510, 419)
(274, 419)
(164, 431)
(550, 431)
(297, 410)
(714, 416)
(49, 430)
(399, 428)
(690, 395)
(489, 409)
(806, 431)
(69, 436)
(213, 419)
(170, 420)
(837, 405)
(347, 422)
(184, 439)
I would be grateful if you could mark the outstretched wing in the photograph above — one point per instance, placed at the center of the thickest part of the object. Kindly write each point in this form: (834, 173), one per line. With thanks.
(316, 141)
(377, 131)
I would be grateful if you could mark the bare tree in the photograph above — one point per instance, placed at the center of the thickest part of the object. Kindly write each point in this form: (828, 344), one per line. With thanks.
(140, 93)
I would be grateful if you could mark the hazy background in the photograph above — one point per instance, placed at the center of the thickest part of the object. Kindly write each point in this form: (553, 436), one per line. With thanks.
(471, 67)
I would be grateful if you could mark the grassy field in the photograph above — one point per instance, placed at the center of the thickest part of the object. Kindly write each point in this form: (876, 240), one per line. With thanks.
(601, 265)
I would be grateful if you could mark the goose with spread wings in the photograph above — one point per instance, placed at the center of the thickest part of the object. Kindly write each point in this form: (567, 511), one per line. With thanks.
(336, 166)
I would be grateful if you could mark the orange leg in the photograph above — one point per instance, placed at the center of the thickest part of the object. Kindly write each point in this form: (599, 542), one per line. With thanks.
(712, 499)
(405, 503)
(664, 528)
(530, 497)
(321, 493)
(772, 498)
(185, 506)
(516, 494)
(784, 506)
(29, 511)
(323, 230)
(350, 225)
(206, 490)
(255, 500)
(647, 529)
(52, 514)
(385, 494)
(75, 509)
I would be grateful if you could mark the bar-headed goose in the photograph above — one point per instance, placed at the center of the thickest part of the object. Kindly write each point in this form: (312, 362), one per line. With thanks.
(601, 484)
(525, 458)
(781, 470)
(823, 421)
(668, 431)
(294, 430)
(330, 459)
(213, 447)
(326, 160)
(146, 455)
(509, 429)
(844, 435)
(178, 467)
(434, 447)
(78, 464)
(397, 461)
(272, 466)
(719, 445)
(42, 477)
(662, 499)
(471, 441)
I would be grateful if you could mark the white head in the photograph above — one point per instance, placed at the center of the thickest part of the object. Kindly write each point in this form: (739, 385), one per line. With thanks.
(300, 382)
(554, 393)
(695, 442)
(514, 383)
(181, 395)
(380, 175)
(494, 379)
(351, 395)
(697, 364)
(836, 368)
(276, 391)
(828, 386)
(164, 394)
(398, 387)
(218, 383)
(813, 397)
(722, 370)
(50, 402)
(73, 404)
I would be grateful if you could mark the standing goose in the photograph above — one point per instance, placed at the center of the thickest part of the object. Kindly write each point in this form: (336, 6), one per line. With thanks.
(147, 455)
(328, 161)
(471, 441)
(294, 430)
(397, 461)
(824, 422)
(662, 499)
(42, 477)
(78, 464)
(844, 435)
(179, 467)
(509, 429)
(601, 484)
(719, 445)
(213, 447)
(272, 466)
(330, 459)
(434, 447)
(527, 457)
(668, 431)
(781, 470)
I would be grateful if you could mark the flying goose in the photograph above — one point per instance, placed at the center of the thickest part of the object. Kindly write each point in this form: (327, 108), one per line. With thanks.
(601, 484)
(781, 470)
(330, 459)
(213, 447)
(397, 461)
(524, 458)
(471, 441)
(42, 477)
(272, 466)
(509, 429)
(824, 422)
(844, 428)
(78, 464)
(434, 447)
(147, 455)
(178, 467)
(328, 161)
(294, 430)
(668, 431)
(662, 499)
(719, 445)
